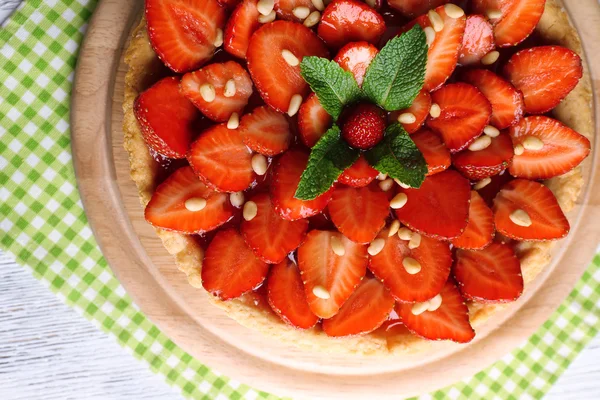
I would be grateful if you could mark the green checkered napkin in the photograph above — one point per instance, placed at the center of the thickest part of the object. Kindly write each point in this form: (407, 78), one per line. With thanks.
(43, 225)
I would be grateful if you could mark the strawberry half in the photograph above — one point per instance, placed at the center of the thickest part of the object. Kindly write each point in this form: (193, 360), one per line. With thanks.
(240, 27)
(440, 207)
(480, 230)
(313, 120)
(222, 160)
(561, 150)
(330, 279)
(356, 57)
(544, 219)
(433, 256)
(285, 8)
(366, 310)
(359, 213)
(271, 237)
(465, 112)
(275, 79)
(225, 102)
(167, 208)
(490, 161)
(449, 322)
(285, 293)
(414, 8)
(286, 176)
(545, 75)
(230, 269)
(166, 118)
(434, 151)
(183, 33)
(419, 108)
(360, 174)
(492, 275)
(345, 21)
(507, 102)
(266, 131)
(477, 41)
(229, 4)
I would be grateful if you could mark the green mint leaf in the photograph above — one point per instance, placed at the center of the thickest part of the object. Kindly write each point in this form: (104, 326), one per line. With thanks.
(398, 157)
(334, 87)
(397, 73)
(328, 159)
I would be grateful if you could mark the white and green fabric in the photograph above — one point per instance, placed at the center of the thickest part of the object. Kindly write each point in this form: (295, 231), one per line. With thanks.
(43, 226)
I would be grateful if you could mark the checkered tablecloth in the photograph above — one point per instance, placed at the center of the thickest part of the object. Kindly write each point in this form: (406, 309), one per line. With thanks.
(44, 227)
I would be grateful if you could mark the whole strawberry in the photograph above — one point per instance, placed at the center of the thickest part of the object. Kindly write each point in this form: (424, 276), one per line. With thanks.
(364, 126)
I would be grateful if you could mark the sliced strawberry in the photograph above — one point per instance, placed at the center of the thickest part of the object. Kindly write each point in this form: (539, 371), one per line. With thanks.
(434, 151)
(330, 279)
(414, 8)
(489, 191)
(286, 176)
(420, 109)
(507, 102)
(480, 230)
(442, 56)
(449, 322)
(285, 8)
(271, 237)
(368, 307)
(275, 79)
(356, 57)
(434, 257)
(166, 118)
(313, 120)
(229, 4)
(240, 27)
(285, 292)
(465, 112)
(489, 275)
(359, 213)
(545, 75)
(440, 207)
(563, 148)
(266, 131)
(359, 174)
(230, 269)
(490, 161)
(345, 21)
(167, 208)
(477, 41)
(547, 219)
(220, 158)
(223, 105)
(183, 33)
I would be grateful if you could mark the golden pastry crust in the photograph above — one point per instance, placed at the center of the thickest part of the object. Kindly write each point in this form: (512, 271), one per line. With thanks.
(145, 69)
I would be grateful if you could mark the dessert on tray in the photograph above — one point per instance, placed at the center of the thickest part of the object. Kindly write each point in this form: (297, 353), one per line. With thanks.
(354, 176)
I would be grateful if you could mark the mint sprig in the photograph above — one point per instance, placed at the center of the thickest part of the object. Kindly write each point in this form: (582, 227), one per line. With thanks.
(398, 157)
(397, 73)
(328, 159)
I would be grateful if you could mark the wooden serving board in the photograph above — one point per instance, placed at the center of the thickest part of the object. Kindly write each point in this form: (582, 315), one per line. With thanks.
(150, 276)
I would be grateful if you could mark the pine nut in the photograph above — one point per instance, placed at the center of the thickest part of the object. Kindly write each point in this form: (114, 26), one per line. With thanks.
(386, 184)
(532, 143)
(312, 19)
(301, 12)
(376, 246)
(337, 246)
(265, 19)
(435, 303)
(419, 308)
(482, 183)
(236, 199)
(490, 57)
(219, 38)
(411, 265)
(259, 164)
(429, 35)
(402, 184)
(320, 292)
(405, 233)
(436, 21)
(453, 11)
(520, 217)
(234, 121)
(208, 93)
(491, 131)
(250, 210)
(407, 118)
(230, 88)
(318, 4)
(290, 58)
(194, 204)
(265, 6)
(394, 227)
(399, 201)
(415, 241)
(481, 143)
(519, 149)
(295, 103)
(493, 14)
(435, 110)
(381, 177)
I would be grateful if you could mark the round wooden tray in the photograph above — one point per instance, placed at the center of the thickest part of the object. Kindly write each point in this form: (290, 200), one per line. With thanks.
(150, 276)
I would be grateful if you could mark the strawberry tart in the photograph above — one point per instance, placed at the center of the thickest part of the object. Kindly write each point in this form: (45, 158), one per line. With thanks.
(358, 177)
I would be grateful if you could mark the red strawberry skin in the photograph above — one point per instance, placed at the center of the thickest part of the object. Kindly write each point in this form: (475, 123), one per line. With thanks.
(183, 33)
(414, 8)
(360, 174)
(440, 207)
(313, 121)
(364, 126)
(345, 21)
(356, 57)
(242, 23)
(166, 118)
(436, 155)
(268, 235)
(285, 8)
(368, 307)
(545, 75)
(492, 275)
(563, 150)
(229, 268)
(266, 131)
(477, 41)
(167, 209)
(476, 165)
(548, 222)
(420, 109)
(285, 293)
(480, 230)
(465, 113)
